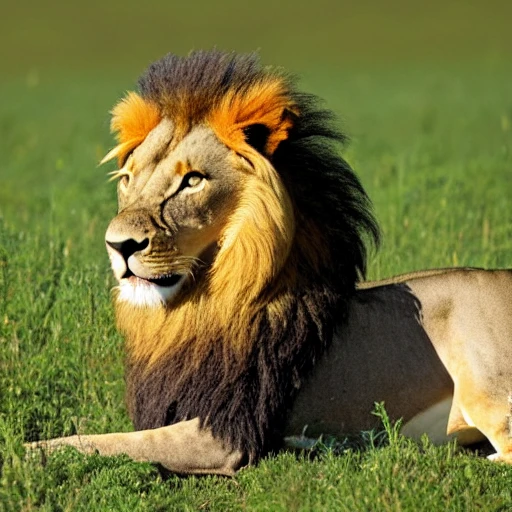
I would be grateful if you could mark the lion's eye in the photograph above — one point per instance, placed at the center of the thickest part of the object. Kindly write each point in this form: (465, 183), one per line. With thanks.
(192, 179)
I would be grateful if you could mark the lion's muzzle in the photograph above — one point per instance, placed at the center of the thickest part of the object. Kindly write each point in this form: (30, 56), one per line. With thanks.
(142, 261)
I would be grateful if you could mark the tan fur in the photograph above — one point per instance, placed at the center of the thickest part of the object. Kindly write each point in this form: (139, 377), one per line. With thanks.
(184, 448)
(461, 353)
(402, 278)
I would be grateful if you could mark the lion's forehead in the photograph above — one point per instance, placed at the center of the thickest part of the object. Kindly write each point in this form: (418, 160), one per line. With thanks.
(154, 146)
(161, 151)
(160, 162)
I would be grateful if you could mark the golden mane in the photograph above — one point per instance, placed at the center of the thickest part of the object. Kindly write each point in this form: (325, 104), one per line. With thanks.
(238, 344)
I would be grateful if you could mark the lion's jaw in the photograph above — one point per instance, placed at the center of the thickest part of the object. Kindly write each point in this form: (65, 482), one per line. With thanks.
(141, 292)
(139, 288)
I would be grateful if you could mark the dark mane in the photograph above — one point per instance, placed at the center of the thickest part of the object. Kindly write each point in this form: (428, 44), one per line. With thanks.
(245, 402)
(200, 80)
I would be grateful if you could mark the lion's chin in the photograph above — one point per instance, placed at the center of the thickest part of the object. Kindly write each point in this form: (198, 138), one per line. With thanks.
(141, 292)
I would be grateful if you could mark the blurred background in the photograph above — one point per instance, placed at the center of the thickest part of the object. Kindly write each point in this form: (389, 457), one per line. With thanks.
(424, 90)
(40, 38)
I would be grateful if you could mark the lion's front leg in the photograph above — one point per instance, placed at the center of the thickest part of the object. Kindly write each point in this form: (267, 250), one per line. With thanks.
(180, 448)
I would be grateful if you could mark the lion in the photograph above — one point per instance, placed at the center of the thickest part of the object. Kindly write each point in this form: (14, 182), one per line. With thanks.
(240, 249)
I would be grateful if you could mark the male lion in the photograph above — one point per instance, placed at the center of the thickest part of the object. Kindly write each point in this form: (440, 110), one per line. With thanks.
(238, 245)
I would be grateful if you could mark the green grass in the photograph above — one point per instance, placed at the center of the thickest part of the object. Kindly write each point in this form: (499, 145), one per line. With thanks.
(432, 143)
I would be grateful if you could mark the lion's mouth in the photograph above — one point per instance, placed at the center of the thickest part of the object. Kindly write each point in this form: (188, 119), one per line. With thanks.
(168, 280)
(165, 281)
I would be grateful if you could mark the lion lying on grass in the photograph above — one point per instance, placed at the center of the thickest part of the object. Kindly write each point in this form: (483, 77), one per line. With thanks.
(238, 244)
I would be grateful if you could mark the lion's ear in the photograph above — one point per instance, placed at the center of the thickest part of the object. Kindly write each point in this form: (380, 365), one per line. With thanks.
(266, 137)
(256, 135)
(260, 117)
(279, 131)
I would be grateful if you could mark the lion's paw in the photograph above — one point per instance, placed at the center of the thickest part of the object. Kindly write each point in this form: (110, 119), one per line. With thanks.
(81, 443)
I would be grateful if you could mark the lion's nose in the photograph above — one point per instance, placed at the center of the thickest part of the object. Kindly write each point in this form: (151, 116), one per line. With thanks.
(128, 247)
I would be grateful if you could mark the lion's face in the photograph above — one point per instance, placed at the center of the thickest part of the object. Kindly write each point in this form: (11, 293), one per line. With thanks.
(229, 195)
(175, 198)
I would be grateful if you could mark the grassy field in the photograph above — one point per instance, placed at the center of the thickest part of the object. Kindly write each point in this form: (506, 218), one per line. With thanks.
(432, 143)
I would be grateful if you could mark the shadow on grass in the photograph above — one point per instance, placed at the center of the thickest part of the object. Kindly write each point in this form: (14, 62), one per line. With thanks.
(388, 435)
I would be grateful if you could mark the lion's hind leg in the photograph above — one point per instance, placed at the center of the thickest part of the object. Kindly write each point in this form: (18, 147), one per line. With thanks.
(489, 412)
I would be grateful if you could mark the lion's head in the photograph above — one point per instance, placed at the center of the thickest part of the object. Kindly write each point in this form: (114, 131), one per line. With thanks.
(239, 240)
